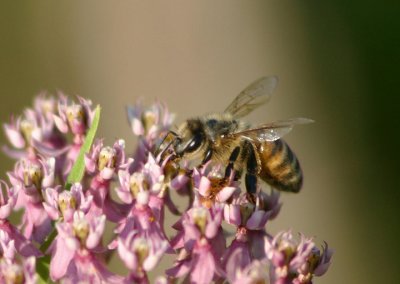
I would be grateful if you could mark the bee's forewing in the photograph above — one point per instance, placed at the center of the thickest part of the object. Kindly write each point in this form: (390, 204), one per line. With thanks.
(256, 94)
(272, 131)
(268, 134)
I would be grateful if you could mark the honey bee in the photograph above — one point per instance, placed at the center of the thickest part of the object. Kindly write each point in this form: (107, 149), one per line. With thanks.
(226, 139)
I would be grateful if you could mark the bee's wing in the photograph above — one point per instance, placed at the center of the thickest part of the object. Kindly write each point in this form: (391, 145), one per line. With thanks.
(271, 131)
(256, 94)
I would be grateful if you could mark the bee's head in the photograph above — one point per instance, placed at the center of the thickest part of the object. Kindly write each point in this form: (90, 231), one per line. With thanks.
(191, 139)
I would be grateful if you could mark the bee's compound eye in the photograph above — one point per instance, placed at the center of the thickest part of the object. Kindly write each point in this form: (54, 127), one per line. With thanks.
(194, 143)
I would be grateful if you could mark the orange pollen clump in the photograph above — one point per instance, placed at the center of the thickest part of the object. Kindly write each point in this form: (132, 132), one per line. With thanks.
(216, 185)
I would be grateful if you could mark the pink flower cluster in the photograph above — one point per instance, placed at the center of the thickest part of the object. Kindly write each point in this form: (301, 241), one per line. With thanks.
(220, 236)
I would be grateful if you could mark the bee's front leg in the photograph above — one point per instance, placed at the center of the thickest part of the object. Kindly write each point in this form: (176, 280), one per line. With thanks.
(207, 157)
(163, 148)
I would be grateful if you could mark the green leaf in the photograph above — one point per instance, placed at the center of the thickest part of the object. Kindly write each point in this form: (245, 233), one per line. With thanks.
(78, 170)
(76, 175)
(43, 269)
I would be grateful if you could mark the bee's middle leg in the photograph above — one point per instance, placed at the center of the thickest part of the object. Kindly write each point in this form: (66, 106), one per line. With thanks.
(232, 159)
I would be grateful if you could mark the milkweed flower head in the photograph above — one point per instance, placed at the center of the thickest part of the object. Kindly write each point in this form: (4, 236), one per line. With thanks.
(72, 116)
(296, 260)
(62, 204)
(74, 255)
(31, 177)
(73, 187)
(18, 271)
(13, 267)
(201, 244)
(149, 121)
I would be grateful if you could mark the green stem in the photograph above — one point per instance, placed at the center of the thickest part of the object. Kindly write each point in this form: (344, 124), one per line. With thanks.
(48, 241)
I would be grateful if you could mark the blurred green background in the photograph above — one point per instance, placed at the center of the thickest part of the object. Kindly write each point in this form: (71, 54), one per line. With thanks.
(337, 64)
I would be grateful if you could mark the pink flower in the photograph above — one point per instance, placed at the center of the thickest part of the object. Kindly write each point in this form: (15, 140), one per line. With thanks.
(63, 204)
(250, 220)
(316, 265)
(7, 246)
(22, 131)
(18, 272)
(34, 131)
(244, 213)
(12, 242)
(144, 184)
(256, 272)
(295, 260)
(148, 189)
(142, 220)
(45, 105)
(149, 122)
(30, 177)
(76, 117)
(73, 253)
(22, 245)
(211, 188)
(16, 131)
(202, 246)
(236, 258)
(103, 163)
(8, 198)
(8, 233)
(140, 255)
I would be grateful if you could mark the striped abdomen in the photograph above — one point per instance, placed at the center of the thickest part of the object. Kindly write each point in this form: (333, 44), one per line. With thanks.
(279, 166)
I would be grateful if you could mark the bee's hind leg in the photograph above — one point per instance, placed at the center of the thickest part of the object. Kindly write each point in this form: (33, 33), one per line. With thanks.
(252, 168)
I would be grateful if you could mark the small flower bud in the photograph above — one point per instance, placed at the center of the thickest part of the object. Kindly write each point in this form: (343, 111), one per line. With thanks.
(32, 174)
(13, 273)
(75, 113)
(287, 247)
(199, 216)
(148, 119)
(76, 118)
(66, 201)
(27, 127)
(81, 229)
(107, 158)
(45, 105)
(135, 182)
(141, 249)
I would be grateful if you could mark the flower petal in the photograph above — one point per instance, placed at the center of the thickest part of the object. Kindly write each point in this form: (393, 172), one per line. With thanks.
(61, 125)
(257, 220)
(15, 137)
(204, 186)
(225, 193)
(60, 260)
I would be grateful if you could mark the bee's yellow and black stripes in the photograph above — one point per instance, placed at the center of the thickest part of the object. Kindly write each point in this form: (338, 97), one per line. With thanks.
(279, 166)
